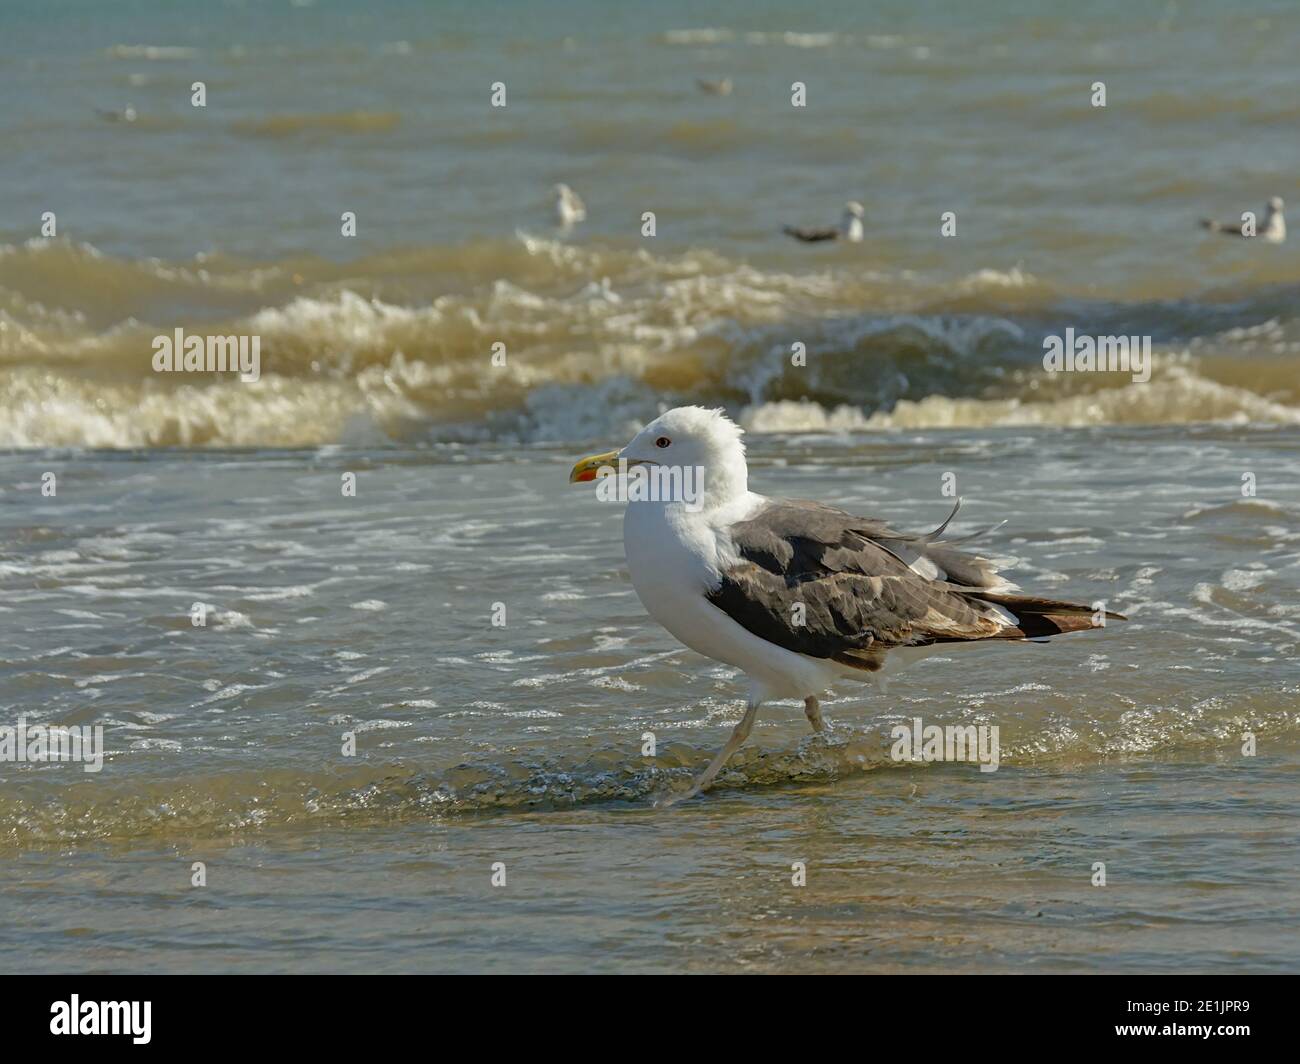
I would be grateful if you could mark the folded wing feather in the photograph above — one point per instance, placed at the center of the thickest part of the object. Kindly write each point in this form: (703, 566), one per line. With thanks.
(823, 582)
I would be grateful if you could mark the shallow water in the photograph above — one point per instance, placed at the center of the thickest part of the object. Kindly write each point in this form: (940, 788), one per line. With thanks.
(1175, 500)
(522, 743)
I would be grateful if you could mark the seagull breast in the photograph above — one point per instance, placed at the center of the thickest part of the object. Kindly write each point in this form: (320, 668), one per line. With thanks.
(677, 559)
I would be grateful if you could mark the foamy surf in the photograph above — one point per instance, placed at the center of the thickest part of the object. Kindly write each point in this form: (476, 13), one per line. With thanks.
(595, 337)
(393, 792)
(345, 763)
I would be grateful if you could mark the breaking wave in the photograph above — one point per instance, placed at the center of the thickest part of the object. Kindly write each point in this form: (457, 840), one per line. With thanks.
(400, 346)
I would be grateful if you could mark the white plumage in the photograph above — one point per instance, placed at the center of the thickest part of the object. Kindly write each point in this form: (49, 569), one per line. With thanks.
(569, 208)
(795, 594)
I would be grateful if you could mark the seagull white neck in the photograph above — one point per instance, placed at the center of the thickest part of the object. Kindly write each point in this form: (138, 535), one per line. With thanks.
(724, 484)
(671, 547)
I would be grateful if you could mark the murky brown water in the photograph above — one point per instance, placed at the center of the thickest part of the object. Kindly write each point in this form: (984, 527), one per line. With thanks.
(522, 743)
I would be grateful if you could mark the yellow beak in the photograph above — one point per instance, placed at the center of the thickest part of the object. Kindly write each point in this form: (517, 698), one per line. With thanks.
(586, 469)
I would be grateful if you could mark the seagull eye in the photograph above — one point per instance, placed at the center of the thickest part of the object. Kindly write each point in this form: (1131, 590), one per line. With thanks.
(662, 441)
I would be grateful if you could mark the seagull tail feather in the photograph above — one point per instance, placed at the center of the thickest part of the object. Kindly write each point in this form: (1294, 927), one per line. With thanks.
(1038, 617)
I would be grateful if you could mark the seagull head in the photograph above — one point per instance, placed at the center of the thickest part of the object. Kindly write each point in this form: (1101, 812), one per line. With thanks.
(854, 209)
(1275, 204)
(686, 438)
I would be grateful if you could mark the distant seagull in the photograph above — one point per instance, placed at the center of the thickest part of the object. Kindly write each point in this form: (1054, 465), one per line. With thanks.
(1273, 230)
(850, 228)
(721, 87)
(796, 594)
(569, 208)
(127, 114)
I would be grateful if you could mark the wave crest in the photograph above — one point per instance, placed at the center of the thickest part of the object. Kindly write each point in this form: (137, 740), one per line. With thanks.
(401, 344)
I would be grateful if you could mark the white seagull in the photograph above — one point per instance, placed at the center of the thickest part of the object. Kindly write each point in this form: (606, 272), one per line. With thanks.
(796, 594)
(127, 114)
(850, 228)
(569, 207)
(1273, 231)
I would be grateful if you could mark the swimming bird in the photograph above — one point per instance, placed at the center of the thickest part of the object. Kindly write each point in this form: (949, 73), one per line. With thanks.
(850, 228)
(796, 594)
(569, 207)
(1273, 230)
(721, 87)
(127, 114)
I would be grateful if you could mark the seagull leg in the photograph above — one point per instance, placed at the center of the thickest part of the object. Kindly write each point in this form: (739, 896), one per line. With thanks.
(814, 713)
(738, 736)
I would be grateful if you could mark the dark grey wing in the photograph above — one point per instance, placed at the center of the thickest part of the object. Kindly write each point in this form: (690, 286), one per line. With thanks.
(823, 582)
(811, 236)
(787, 526)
